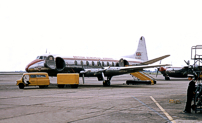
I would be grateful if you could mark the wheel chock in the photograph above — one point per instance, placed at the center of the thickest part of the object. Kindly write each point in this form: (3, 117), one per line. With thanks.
(177, 101)
(171, 101)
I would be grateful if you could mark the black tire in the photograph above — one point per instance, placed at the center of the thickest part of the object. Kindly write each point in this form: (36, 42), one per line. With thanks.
(43, 86)
(61, 86)
(21, 86)
(106, 83)
(167, 78)
(74, 86)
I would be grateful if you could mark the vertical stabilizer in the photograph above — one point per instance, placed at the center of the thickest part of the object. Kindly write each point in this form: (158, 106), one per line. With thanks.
(141, 52)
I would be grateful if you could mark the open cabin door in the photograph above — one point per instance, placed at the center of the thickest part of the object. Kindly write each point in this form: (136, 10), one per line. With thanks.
(50, 63)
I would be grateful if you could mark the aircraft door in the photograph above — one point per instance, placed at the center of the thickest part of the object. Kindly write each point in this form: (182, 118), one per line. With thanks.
(50, 62)
(121, 63)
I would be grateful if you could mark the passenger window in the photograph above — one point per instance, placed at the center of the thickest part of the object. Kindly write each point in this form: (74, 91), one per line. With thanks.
(81, 62)
(87, 63)
(75, 62)
(26, 77)
(40, 76)
(112, 63)
(98, 63)
(107, 63)
(103, 64)
(32, 76)
(92, 63)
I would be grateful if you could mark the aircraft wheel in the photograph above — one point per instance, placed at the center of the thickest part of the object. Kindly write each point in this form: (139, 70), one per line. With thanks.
(106, 83)
(167, 78)
(74, 86)
(61, 86)
(21, 86)
(43, 86)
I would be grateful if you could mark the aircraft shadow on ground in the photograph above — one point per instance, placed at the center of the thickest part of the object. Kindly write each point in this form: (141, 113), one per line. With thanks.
(92, 86)
(173, 79)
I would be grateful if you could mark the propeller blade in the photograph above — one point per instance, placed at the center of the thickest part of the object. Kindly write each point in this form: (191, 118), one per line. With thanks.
(157, 72)
(187, 62)
(83, 78)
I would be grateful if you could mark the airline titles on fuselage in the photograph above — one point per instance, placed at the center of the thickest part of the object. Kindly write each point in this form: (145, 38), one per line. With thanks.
(98, 58)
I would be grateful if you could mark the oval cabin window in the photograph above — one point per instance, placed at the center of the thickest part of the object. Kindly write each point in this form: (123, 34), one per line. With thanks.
(81, 62)
(75, 62)
(103, 64)
(92, 63)
(107, 63)
(87, 63)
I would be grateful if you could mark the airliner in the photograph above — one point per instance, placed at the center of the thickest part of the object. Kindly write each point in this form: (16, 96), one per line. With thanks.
(104, 68)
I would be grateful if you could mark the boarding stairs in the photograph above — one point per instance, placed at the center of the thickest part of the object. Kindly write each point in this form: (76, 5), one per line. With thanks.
(142, 76)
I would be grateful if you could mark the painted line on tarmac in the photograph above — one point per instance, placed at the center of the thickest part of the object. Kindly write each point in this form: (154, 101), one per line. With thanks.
(167, 115)
(153, 110)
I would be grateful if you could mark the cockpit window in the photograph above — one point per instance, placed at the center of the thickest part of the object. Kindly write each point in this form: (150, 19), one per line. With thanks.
(41, 57)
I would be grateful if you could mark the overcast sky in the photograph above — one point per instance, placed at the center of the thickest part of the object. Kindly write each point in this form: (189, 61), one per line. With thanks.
(97, 28)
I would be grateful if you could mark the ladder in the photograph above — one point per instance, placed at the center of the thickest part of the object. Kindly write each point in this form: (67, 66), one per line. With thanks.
(142, 76)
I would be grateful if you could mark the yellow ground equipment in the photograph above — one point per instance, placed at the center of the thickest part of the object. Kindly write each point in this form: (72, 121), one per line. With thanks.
(71, 79)
(143, 78)
(34, 79)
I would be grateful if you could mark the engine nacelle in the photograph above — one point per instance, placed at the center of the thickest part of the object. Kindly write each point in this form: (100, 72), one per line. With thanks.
(57, 64)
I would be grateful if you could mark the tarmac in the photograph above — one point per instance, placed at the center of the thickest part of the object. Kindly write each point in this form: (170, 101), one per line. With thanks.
(91, 102)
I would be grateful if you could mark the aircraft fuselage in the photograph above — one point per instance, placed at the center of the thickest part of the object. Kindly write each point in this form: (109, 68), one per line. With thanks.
(75, 64)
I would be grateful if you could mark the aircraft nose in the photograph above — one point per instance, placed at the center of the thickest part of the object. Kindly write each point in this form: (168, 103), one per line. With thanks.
(33, 64)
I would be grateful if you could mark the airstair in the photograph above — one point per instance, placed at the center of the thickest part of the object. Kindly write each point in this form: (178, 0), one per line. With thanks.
(141, 78)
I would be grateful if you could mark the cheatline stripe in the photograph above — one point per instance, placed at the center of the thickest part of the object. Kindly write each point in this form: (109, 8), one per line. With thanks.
(153, 110)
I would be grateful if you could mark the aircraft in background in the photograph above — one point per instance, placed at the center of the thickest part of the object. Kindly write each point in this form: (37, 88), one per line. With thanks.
(178, 72)
(99, 67)
(168, 72)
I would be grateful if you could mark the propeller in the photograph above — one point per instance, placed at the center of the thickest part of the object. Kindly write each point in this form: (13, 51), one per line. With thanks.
(187, 62)
(83, 74)
(158, 69)
(83, 78)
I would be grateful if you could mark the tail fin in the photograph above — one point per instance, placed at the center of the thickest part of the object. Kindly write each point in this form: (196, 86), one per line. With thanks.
(141, 52)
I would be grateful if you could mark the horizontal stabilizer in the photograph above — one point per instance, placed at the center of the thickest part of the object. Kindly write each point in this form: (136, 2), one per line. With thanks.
(154, 60)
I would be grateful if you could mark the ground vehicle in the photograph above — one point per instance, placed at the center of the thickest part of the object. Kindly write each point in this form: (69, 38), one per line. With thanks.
(34, 79)
(71, 79)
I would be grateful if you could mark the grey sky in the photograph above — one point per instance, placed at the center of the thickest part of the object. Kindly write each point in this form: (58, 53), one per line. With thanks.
(91, 27)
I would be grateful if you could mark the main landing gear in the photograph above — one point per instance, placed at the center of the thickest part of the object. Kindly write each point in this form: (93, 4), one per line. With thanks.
(167, 78)
(107, 82)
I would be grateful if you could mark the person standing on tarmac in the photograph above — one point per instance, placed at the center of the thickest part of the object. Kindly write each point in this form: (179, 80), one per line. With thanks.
(190, 93)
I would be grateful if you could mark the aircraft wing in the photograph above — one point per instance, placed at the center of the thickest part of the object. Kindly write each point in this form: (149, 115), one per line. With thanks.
(154, 60)
(143, 66)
